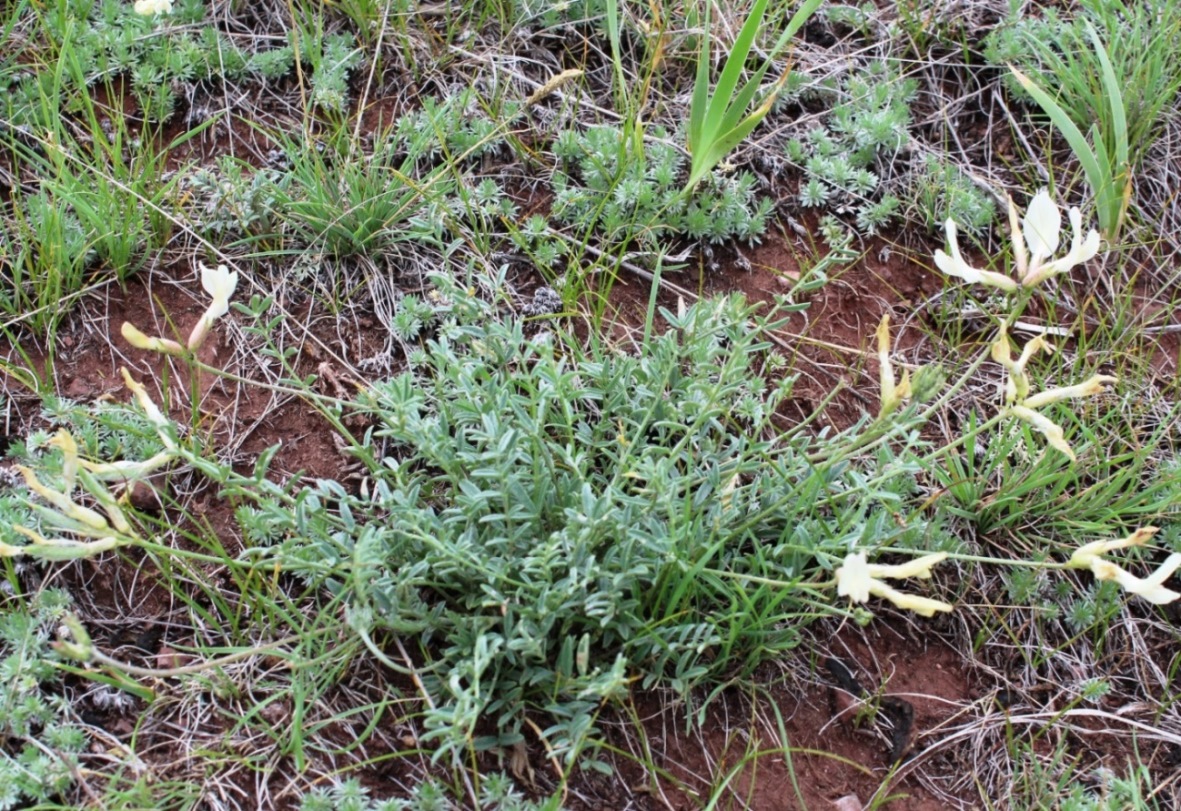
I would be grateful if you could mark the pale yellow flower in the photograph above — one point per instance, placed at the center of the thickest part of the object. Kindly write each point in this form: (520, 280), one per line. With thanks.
(140, 341)
(154, 415)
(857, 579)
(151, 8)
(892, 392)
(1095, 385)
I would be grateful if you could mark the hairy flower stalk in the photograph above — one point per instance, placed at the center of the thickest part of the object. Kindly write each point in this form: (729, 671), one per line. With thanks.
(857, 579)
(1151, 588)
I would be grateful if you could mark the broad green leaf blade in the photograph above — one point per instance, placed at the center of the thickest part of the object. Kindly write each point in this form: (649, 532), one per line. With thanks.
(1106, 205)
(737, 108)
(1115, 99)
(1120, 174)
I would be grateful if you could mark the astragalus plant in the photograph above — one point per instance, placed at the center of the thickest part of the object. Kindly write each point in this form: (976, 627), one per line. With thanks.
(550, 524)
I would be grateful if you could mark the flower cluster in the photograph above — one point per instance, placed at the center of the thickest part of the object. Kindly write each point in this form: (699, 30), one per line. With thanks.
(1151, 588)
(1035, 241)
(220, 284)
(857, 579)
(1039, 231)
(1022, 405)
(65, 514)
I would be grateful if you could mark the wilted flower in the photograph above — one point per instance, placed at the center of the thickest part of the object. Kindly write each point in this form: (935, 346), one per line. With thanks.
(1087, 554)
(1095, 385)
(1017, 383)
(857, 579)
(151, 8)
(892, 393)
(1050, 429)
(1039, 231)
(1151, 588)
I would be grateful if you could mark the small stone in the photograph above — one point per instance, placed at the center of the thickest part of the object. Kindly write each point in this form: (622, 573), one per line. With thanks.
(848, 803)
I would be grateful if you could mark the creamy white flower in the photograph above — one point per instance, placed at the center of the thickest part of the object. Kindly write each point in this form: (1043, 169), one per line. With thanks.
(857, 579)
(1041, 226)
(1081, 250)
(220, 284)
(149, 8)
(1040, 231)
(955, 265)
(1149, 588)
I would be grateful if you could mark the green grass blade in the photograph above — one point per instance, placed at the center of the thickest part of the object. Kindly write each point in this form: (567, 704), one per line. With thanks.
(738, 107)
(700, 89)
(1078, 142)
(1119, 120)
(795, 24)
(1106, 204)
(735, 64)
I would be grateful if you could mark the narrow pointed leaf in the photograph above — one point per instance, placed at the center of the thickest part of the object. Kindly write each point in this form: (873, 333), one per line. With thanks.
(1078, 142)
(700, 89)
(735, 64)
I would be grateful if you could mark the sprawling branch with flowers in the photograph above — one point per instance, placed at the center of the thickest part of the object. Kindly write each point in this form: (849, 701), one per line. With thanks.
(1035, 239)
(81, 531)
